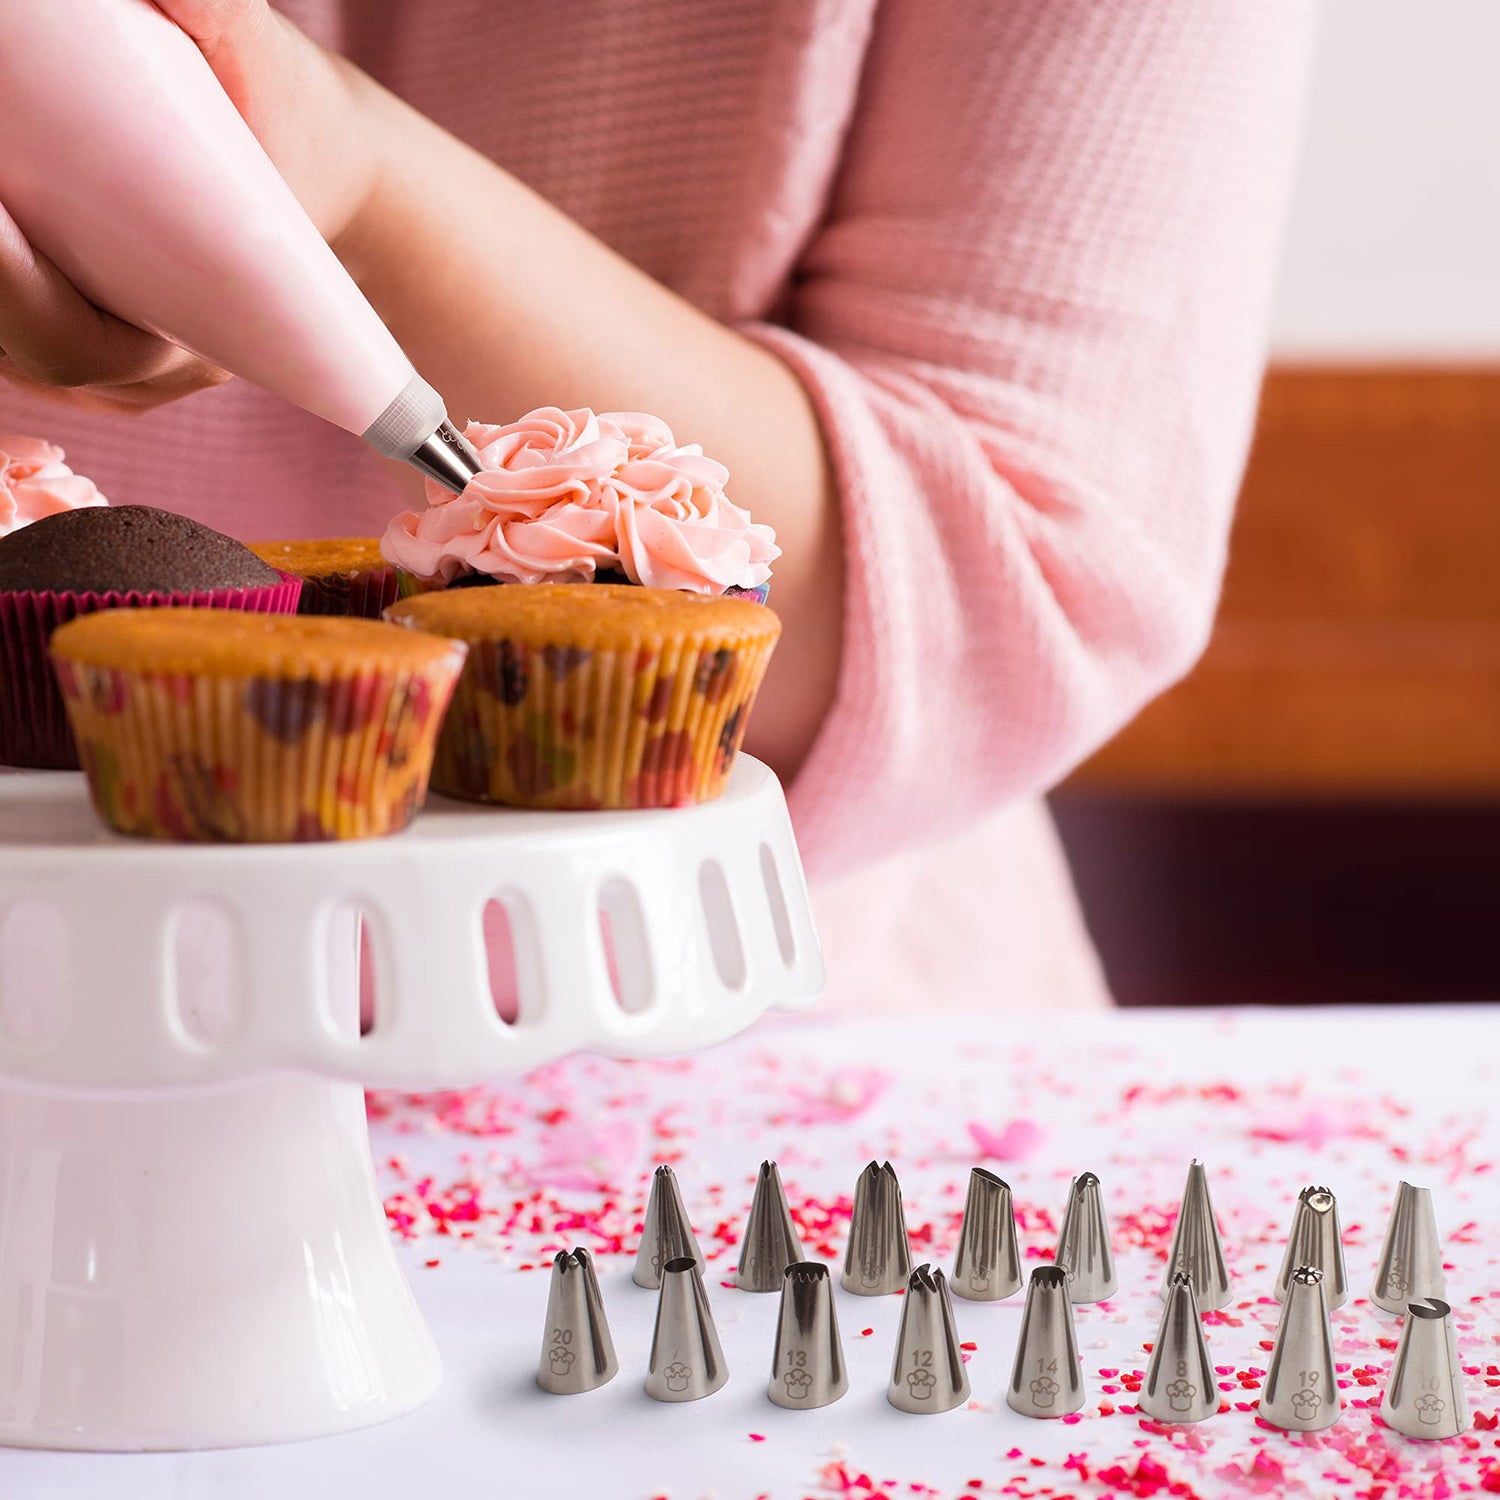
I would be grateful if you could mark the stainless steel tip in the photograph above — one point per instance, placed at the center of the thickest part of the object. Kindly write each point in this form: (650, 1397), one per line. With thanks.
(807, 1368)
(1411, 1259)
(1083, 1246)
(1047, 1380)
(878, 1260)
(987, 1265)
(447, 456)
(1179, 1384)
(1301, 1393)
(666, 1232)
(1316, 1240)
(1196, 1246)
(687, 1363)
(1424, 1397)
(577, 1352)
(927, 1373)
(771, 1243)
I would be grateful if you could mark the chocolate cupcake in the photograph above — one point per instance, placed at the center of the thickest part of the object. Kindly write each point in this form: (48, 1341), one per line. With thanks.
(83, 561)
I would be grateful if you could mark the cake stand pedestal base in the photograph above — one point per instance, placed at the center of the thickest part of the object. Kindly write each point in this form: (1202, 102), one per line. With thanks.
(193, 1252)
(198, 1269)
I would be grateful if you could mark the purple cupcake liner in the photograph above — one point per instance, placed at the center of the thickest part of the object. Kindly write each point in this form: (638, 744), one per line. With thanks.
(34, 729)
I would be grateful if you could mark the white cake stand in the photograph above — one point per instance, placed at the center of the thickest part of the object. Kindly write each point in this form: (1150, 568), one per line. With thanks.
(192, 1250)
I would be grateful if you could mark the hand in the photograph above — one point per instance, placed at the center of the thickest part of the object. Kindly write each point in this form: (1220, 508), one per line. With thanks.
(296, 97)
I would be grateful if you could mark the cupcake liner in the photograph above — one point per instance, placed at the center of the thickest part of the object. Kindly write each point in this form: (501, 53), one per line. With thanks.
(363, 594)
(760, 593)
(34, 728)
(408, 585)
(341, 753)
(648, 724)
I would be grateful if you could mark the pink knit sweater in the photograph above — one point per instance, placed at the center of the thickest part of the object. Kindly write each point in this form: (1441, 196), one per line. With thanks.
(1020, 253)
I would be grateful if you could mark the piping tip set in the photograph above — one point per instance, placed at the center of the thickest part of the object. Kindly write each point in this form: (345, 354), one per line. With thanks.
(1424, 1397)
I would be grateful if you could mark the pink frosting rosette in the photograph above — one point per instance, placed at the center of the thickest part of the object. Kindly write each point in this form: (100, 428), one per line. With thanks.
(563, 495)
(674, 526)
(36, 482)
(529, 516)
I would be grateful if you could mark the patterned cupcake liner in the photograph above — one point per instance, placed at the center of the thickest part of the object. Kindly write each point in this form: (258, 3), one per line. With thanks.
(34, 727)
(760, 593)
(653, 724)
(362, 595)
(342, 753)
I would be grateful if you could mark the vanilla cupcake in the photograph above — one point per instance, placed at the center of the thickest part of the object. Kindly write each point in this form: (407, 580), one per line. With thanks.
(594, 696)
(340, 575)
(210, 725)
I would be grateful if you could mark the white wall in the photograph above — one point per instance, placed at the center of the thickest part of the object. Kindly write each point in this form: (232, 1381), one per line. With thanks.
(1393, 249)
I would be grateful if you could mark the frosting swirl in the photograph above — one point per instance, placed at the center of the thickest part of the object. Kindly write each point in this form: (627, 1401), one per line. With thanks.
(563, 495)
(674, 526)
(36, 482)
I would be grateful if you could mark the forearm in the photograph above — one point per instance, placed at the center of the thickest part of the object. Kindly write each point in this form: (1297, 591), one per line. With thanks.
(504, 303)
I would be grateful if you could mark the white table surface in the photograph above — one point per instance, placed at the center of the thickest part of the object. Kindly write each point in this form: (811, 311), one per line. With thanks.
(1365, 1097)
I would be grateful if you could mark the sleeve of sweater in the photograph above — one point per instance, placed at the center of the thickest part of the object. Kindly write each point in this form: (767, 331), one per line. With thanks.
(1032, 324)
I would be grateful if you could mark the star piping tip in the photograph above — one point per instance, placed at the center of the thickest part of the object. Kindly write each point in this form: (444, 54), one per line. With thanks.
(987, 1264)
(878, 1260)
(1424, 1397)
(667, 1233)
(807, 1367)
(1301, 1391)
(1046, 1380)
(1083, 1245)
(1180, 1385)
(578, 1353)
(687, 1362)
(928, 1374)
(770, 1243)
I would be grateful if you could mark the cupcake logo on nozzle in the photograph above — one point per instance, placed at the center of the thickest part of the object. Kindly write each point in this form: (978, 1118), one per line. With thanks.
(563, 496)
(35, 481)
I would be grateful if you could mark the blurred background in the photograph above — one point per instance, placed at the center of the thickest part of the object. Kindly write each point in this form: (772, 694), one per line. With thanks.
(1314, 814)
